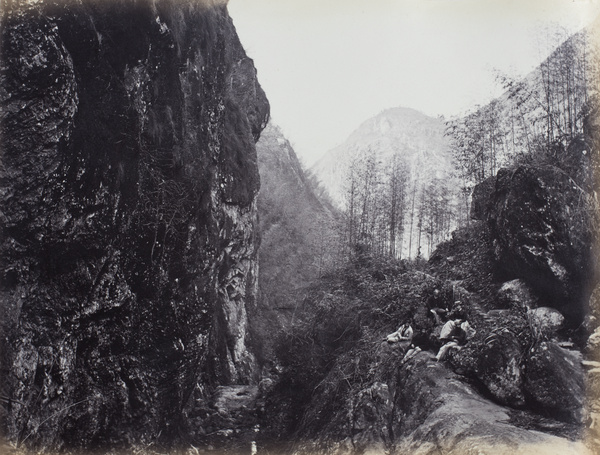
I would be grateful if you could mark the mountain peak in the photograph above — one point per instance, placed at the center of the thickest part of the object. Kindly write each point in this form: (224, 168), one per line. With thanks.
(418, 138)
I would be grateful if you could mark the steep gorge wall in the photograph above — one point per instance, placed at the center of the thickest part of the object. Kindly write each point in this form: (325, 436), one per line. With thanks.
(128, 189)
(297, 234)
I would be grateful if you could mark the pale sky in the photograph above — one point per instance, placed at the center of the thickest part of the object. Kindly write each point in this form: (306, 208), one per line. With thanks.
(328, 65)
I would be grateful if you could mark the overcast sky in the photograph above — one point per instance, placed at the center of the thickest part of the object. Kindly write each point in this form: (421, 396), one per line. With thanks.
(328, 65)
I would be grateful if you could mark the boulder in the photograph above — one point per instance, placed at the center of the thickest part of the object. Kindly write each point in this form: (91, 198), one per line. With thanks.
(592, 408)
(592, 347)
(542, 233)
(370, 418)
(515, 293)
(594, 304)
(499, 370)
(546, 321)
(437, 412)
(554, 379)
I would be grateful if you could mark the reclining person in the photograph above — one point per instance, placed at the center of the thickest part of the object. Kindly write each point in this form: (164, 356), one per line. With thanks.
(404, 333)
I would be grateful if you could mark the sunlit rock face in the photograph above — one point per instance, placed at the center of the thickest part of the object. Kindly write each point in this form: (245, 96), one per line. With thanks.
(128, 200)
(543, 233)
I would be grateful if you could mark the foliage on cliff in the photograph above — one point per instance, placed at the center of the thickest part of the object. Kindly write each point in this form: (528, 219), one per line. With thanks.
(298, 234)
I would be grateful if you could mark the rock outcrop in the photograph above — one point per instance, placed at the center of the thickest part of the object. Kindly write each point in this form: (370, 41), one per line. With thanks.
(517, 386)
(454, 419)
(547, 321)
(429, 409)
(498, 367)
(128, 201)
(543, 234)
(515, 294)
(555, 380)
(480, 198)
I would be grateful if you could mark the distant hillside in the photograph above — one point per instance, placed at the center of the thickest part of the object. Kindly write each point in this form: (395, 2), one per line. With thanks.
(297, 234)
(417, 137)
(412, 137)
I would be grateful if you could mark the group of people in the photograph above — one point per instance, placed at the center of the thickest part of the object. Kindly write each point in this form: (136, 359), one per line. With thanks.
(404, 334)
(454, 334)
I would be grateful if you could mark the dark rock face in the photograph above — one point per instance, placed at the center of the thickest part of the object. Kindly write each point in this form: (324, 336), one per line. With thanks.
(480, 199)
(127, 189)
(543, 234)
(499, 368)
(555, 380)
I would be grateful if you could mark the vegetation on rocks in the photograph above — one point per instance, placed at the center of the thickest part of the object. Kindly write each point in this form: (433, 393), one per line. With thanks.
(336, 353)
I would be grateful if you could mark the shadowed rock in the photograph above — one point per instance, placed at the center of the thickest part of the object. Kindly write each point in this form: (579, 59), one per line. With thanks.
(555, 380)
(127, 191)
(543, 234)
(499, 368)
(443, 415)
(481, 198)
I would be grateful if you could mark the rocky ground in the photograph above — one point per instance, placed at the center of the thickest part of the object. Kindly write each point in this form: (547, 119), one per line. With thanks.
(430, 409)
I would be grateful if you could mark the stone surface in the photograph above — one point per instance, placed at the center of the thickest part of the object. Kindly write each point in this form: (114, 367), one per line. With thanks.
(543, 234)
(516, 293)
(438, 413)
(371, 418)
(498, 367)
(228, 399)
(592, 347)
(128, 205)
(434, 411)
(481, 197)
(554, 378)
(546, 321)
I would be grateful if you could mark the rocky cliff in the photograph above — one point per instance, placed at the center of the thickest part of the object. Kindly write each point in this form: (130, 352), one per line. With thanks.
(128, 190)
(544, 232)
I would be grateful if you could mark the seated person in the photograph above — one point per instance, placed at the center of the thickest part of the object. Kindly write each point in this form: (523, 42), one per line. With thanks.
(454, 334)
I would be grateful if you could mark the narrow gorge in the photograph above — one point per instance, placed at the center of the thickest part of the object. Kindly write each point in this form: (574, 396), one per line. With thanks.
(173, 280)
